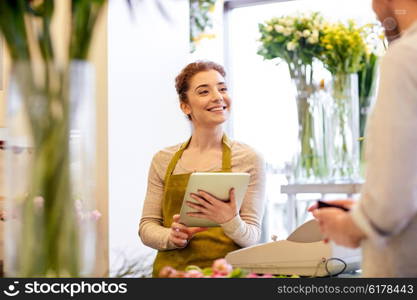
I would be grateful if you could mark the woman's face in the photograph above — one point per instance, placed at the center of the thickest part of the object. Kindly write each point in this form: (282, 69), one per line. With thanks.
(208, 99)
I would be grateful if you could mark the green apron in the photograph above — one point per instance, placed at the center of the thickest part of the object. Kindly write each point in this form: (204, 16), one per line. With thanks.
(204, 247)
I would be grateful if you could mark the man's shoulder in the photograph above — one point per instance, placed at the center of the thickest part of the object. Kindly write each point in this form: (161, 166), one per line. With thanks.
(403, 50)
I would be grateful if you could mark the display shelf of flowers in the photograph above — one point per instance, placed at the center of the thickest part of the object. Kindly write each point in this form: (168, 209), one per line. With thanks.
(328, 113)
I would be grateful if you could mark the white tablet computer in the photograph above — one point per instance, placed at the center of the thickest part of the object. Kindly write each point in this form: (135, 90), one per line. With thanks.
(217, 184)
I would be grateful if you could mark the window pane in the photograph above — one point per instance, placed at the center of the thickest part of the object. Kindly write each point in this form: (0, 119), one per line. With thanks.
(264, 112)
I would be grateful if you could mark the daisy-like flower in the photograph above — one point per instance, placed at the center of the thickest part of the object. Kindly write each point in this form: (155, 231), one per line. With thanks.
(306, 33)
(278, 28)
(291, 46)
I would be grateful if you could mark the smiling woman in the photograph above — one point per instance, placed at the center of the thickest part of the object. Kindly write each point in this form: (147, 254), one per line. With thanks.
(204, 99)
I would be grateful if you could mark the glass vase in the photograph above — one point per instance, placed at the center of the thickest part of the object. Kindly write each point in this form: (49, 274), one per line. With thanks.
(343, 129)
(365, 104)
(49, 230)
(309, 165)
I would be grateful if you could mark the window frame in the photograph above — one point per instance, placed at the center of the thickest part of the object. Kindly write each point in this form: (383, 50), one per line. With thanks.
(231, 4)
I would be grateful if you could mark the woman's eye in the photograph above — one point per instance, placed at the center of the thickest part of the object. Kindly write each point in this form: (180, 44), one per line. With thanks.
(223, 89)
(203, 92)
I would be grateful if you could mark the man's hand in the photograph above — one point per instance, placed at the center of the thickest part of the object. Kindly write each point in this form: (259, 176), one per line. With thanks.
(338, 226)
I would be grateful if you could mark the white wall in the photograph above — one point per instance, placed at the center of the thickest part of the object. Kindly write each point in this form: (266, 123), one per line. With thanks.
(146, 52)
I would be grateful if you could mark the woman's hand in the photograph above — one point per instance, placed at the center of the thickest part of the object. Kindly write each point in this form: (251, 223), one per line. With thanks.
(212, 208)
(180, 234)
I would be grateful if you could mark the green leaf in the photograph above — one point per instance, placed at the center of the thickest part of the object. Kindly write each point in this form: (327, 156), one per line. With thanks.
(238, 273)
(207, 272)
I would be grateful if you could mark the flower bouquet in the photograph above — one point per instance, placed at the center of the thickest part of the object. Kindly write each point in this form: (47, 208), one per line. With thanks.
(343, 51)
(295, 40)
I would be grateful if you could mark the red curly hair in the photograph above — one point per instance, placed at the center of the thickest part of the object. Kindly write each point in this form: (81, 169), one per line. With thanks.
(182, 81)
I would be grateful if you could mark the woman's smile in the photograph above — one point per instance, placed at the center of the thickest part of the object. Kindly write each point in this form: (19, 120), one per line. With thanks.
(219, 109)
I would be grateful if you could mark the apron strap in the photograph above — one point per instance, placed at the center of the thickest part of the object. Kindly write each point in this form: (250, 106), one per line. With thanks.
(227, 154)
(175, 159)
(226, 157)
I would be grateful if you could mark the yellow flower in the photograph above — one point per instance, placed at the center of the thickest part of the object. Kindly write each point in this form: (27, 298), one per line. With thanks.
(329, 47)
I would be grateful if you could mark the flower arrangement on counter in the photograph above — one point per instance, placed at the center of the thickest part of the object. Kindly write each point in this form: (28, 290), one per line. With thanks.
(219, 269)
(296, 41)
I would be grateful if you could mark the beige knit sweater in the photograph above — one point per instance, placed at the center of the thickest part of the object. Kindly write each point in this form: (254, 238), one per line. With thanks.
(244, 229)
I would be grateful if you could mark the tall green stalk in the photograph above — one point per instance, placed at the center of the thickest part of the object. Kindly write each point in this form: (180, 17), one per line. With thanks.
(47, 230)
(344, 137)
(84, 16)
(310, 165)
(367, 83)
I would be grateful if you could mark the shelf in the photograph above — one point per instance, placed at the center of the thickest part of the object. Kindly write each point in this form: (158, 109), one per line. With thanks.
(325, 188)
(322, 188)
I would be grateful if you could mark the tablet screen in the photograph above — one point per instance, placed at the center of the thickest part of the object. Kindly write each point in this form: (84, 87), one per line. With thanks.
(218, 185)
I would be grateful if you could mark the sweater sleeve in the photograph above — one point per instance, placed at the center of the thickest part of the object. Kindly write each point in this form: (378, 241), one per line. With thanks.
(151, 230)
(245, 228)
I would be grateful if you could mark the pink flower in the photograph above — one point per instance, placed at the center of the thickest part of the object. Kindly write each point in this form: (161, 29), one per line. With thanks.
(168, 272)
(95, 215)
(38, 201)
(221, 267)
(193, 274)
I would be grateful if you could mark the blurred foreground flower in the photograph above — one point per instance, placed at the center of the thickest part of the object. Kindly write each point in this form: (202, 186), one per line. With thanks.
(219, 269)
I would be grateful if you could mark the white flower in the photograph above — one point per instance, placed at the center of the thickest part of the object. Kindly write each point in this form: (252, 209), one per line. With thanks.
(269, 28)
(287, 31)
(306, 33)
(298, 34)
(291, 46)
(318, 23)
(315, 33)
(288, 22)
(313, 40)
(279, 28)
